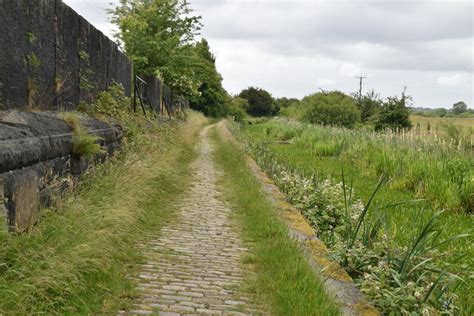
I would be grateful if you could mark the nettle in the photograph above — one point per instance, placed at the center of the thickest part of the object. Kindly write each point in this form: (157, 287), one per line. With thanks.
(407, 280)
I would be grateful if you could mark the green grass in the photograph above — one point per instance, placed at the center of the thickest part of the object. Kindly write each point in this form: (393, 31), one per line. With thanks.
(298, 155)
(284, 280)
(77, 259)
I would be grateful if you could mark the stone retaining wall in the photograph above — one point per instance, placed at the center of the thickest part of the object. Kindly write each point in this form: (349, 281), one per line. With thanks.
(36, 161)
(51, 58)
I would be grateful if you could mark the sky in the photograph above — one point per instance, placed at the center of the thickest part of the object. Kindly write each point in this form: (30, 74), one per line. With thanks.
(295, 48)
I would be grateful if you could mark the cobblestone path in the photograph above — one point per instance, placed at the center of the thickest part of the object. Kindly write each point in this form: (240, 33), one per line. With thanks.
(194, 264)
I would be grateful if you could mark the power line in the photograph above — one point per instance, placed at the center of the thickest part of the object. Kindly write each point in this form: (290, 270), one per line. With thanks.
(361, 78)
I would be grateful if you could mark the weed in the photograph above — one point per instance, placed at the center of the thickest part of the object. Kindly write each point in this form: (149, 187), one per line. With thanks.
(400, 277)
(30, 37)
(113, 102)
(85, 144)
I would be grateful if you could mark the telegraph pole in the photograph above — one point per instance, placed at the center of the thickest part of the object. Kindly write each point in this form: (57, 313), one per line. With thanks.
(361, 78)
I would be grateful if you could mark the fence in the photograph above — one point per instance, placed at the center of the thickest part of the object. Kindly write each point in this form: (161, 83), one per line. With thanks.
(51, 58)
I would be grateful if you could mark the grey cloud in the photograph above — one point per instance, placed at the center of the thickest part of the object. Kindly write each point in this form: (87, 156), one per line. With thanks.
(294, 47)
(345, 21)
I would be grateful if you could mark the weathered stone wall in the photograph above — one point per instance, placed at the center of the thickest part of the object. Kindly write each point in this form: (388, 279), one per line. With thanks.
(52, 58)
(37, 163)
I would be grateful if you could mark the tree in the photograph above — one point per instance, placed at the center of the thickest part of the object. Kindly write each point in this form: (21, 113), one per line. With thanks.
(331, 108)
(237, 108)
(261, 102)
(394, 114)
(286, 102)
(440, 112)
(369, 105)
(159, 37)
(459, 108)
(212, 98)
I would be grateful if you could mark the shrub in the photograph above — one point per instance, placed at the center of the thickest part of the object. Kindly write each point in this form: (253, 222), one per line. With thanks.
(237, 107)
(260, 102)
(113, 102)
(331, 108)
(394, 115)
(369, 106)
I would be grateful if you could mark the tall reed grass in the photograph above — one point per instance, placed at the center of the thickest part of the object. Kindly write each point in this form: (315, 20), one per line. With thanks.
(434, 168)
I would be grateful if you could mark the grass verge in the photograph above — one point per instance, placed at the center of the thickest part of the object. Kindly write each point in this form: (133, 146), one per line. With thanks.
(284, 280)
(77, 259)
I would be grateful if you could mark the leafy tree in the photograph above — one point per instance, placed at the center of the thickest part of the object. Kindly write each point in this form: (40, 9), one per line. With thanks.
(394, 114)
(286, 102)
(261, 102)
(159, 37)
(440, 112)
(369, 106)
(212, 98)
(237, 108)
(240, 103)
(331, 108)
(459, 107)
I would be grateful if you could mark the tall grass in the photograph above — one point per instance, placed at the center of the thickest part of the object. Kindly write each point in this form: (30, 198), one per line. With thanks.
(436, 169)
(78, 258)
(417, 272)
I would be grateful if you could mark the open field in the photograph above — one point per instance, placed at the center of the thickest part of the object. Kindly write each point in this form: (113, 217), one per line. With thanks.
(437, 124)
(439, 174)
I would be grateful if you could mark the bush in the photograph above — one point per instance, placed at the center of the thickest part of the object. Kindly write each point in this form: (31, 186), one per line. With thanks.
(331, 108)
(394, 115)
(113, 102)
(369, 106)
(283, 103)
(237, 107)
(260, 102)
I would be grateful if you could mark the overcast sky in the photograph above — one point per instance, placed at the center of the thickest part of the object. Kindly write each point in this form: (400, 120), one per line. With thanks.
(294, 48)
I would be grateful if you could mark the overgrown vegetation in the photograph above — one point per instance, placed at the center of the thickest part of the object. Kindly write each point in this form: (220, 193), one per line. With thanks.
(391, 243)
(284, 280)
(77, 259)
(114, 103)
(111, 103)
(430, 168)
(84, 144)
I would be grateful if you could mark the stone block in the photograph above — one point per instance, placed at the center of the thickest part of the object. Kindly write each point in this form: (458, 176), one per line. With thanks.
(3, 209)
(24, 201)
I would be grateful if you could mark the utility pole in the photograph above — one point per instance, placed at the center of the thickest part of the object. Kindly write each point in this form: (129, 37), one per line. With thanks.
(361, 78)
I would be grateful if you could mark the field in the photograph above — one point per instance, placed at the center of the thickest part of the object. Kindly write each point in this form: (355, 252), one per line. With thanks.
(437, 124)
(376, 201)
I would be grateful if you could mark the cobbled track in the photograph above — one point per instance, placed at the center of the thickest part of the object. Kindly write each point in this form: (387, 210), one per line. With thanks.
(194, 265)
